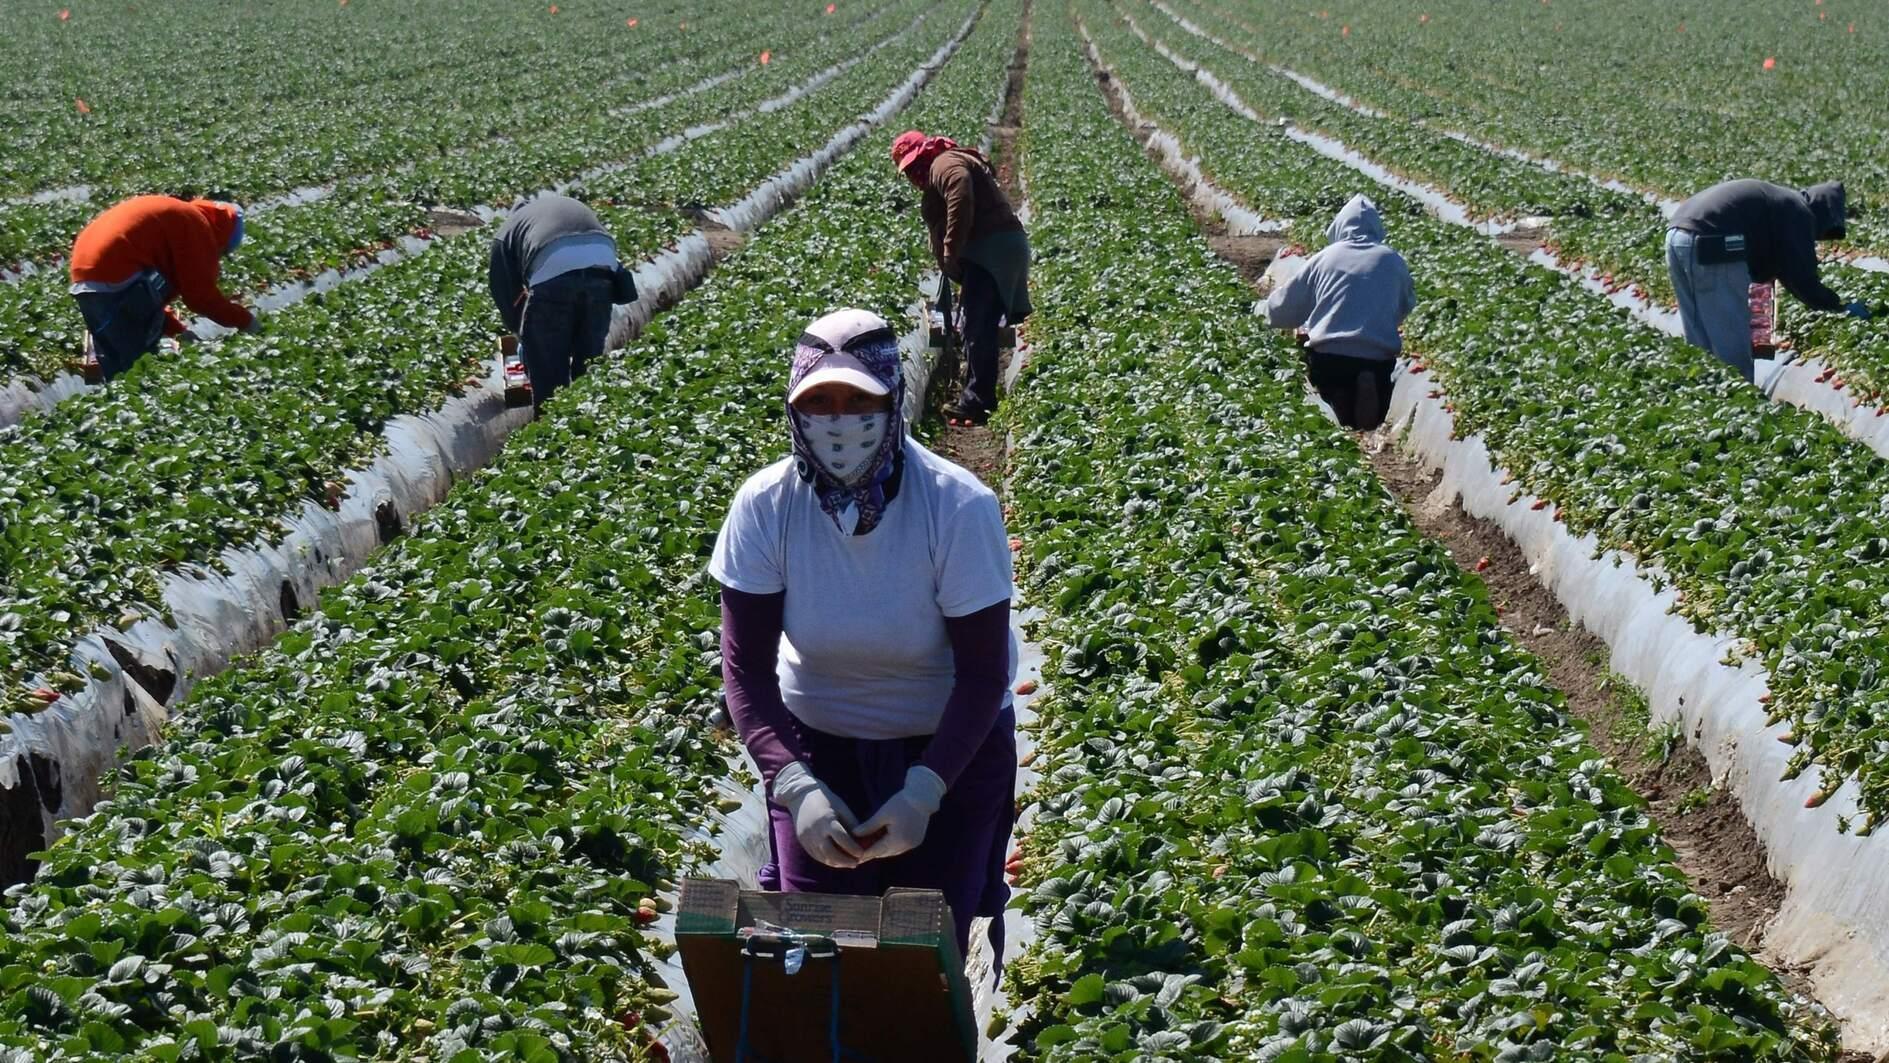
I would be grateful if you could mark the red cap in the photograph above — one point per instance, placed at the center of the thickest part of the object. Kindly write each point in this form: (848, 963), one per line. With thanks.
(905, 148)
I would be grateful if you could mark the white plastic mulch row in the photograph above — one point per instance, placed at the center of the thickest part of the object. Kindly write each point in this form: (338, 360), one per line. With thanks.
(219, 616)
(1834, 922)
(1835, 917)
(1205, 194)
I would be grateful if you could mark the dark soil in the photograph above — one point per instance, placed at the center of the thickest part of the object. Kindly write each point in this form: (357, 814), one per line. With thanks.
(1249, 254)
(1523, 241)
(722, 241)
(980, 449)
(445, 223)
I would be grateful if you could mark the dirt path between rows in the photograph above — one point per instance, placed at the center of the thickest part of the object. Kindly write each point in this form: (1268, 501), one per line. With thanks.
(1713, 844)
(981, 448)
(1716, 847)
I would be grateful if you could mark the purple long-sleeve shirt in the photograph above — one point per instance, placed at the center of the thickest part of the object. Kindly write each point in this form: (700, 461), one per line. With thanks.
(750, 648)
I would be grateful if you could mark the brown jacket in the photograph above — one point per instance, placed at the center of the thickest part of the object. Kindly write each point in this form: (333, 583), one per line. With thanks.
(963, 205)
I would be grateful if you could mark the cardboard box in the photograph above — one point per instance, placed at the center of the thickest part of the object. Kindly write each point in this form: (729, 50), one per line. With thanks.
(901, 989)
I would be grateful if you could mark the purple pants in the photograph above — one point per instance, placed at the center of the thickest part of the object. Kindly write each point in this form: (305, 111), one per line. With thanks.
(965, 844)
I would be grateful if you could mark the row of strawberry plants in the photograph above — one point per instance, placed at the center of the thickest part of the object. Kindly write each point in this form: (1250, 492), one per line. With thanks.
(1664, 99)
(331, 93)
(40, 329)
(1301, 798)
(1619, 235)
(296, 95)
(425, 820)
(104, 496)
(1765, 517)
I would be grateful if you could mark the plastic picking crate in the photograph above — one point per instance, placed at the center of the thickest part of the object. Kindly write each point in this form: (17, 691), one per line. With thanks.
(517, 381)
(1763, 320)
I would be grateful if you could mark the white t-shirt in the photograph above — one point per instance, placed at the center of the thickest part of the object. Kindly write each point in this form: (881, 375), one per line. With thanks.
(864, 652)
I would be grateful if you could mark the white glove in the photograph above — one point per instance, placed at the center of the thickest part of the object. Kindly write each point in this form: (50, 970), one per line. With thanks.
(822, 821)
(905, 817)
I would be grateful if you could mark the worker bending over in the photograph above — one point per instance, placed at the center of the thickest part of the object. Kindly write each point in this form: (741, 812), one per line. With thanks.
(1350, 298)
(1737, 233)
(866, 648)
(555, 277)
(979, 243)
(132, 260)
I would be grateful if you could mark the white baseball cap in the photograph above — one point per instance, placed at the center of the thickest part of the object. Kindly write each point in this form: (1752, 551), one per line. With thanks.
(833, 332)
(838, 367)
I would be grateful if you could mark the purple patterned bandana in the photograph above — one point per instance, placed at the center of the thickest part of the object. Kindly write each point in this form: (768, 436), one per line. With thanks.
(867, 338)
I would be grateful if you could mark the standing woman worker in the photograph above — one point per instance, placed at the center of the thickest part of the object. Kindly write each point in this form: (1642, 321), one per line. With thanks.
(866, 645)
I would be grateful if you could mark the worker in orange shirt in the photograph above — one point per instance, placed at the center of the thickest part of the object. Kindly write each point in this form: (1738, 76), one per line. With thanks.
(131, 261)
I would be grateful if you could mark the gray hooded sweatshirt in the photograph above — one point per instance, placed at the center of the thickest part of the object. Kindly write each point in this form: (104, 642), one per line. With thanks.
(1781, 227)
(1351, 296)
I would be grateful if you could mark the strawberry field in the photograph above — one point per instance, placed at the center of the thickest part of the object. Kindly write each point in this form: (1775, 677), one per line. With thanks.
(351, 716)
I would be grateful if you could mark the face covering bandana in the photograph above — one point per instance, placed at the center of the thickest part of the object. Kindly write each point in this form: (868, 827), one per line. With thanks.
(844, 444)
(847, 458)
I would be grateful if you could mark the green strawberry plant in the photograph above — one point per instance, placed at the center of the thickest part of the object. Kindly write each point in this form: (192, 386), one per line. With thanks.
(106, 495)
(424, 821)
(1301, 798)
(512, 155)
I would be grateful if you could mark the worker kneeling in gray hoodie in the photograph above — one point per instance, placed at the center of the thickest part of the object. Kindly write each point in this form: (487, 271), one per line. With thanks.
(1737, 233)
(1350, 298)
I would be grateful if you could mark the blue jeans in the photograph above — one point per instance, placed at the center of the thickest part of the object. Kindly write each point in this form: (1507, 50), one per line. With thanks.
(1714, 301)
(125, 324)
(566, 324)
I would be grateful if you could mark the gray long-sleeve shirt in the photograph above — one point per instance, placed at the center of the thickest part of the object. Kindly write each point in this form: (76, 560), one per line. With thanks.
(524, 240)
(1350, 297)
(1781, 227)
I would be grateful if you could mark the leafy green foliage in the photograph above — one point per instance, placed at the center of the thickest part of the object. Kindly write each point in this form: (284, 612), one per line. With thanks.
(104, 496)
(422, 821)
(1765, 517)
(1301, 798)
